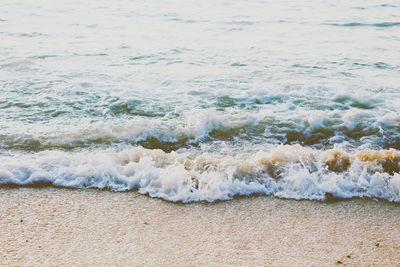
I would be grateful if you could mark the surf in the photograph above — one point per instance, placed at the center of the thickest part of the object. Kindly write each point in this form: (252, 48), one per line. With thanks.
(286, 171)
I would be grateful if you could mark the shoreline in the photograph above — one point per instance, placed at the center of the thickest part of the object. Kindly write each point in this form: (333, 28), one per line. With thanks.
(55, 226)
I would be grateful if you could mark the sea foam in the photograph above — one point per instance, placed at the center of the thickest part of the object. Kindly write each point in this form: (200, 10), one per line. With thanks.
(286, 171)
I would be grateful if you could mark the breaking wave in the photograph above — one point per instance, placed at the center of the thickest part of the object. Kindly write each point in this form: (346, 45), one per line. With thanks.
(319, 129)
(286, 171)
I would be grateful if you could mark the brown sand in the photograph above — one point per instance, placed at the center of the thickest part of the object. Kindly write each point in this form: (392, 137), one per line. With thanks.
(53, 227)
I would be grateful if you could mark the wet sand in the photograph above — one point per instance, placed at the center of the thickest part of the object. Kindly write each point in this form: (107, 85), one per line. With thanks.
(62, 227)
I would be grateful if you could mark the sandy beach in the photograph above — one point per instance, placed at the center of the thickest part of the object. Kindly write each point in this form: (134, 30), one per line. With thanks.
(63, 227)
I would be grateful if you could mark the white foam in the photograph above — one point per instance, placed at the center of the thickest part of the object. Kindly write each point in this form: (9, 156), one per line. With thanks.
(286, 171)
(390, 120)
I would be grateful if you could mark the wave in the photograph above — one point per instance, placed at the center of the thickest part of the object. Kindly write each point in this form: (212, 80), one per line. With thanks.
(319, 129)
(358, 24)
(17, 64)
(286, 171)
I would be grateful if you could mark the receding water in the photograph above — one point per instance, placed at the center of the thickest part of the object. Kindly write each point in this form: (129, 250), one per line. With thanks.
(281, 87)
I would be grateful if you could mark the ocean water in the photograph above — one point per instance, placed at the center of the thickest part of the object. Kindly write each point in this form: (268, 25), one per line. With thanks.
(202, 100)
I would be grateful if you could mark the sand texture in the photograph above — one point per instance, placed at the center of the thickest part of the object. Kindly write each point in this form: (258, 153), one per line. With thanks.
(62, 227)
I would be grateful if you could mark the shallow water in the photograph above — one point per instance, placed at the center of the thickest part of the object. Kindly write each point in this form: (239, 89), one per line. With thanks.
(83, 82)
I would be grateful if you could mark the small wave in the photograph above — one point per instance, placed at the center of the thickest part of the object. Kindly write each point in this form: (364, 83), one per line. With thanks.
(358, 24)
(30, 34)
(16, 64)
(241, 22)
(285, 171)
(135, 108)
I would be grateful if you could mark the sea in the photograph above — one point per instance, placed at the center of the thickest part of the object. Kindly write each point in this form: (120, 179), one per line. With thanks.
(202, 100)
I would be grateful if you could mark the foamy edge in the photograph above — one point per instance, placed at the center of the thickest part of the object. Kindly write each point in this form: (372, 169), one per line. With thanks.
(285, 171)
